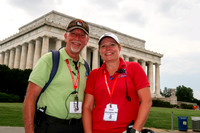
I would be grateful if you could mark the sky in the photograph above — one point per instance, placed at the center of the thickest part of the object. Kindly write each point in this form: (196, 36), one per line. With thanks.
(169, 27)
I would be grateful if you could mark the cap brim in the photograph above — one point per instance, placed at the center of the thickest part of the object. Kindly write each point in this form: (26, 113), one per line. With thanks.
(111, 35)
(77, 27)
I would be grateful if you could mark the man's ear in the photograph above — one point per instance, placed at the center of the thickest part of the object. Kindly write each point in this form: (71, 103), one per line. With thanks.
(87, 40)
(65, 35)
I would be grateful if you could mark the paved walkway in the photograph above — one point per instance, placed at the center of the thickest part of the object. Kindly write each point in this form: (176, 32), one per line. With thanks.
(171, 131)
(12, 130)
(21, 130)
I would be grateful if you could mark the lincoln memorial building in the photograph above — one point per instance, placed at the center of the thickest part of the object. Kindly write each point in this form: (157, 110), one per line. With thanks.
(23, 49)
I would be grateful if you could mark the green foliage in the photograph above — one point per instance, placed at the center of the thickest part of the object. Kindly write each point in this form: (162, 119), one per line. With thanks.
(159, 103)
(184, 94)
(14, 81)
(186, 106)
(196, 101)
(4, 97)
(166, 92)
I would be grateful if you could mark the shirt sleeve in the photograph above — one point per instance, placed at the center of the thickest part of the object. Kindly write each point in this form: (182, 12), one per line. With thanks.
(41, 72)
(138, 76)
(90, 84)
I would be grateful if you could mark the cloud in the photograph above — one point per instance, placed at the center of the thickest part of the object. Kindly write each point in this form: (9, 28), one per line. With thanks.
(104, 5)
(196, 94)
(187, 64)
(181, 18)
(34, 7)
(174, 9)
(135, 17)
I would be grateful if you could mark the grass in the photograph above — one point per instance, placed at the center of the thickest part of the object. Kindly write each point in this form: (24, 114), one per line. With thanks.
(161, 117)
(11, 115)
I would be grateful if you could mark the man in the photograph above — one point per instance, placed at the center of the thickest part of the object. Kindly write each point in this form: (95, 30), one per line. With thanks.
(61, 103)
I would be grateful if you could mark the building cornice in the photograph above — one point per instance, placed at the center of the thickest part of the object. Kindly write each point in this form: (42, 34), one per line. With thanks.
(59, 21)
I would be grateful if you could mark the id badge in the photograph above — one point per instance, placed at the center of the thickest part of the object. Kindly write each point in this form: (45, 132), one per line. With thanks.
(111, 112)
(75, 107)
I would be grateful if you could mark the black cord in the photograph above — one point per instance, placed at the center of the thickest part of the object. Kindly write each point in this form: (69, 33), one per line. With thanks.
(127, 96)
(74, 92)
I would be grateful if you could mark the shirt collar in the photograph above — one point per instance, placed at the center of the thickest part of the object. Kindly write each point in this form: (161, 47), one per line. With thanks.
(122, 64)
(65, 56)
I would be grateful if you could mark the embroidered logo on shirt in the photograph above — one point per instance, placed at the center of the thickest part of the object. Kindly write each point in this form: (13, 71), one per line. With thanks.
(122, 75)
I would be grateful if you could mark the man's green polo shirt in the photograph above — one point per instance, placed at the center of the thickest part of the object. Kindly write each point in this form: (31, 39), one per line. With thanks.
(57, 96)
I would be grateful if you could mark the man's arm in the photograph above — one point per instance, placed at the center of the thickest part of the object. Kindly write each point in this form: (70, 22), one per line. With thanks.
(88, 106)
(145, 106)
(32, 93)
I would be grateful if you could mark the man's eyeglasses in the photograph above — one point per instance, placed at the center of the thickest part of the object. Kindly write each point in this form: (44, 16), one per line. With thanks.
(81, 35)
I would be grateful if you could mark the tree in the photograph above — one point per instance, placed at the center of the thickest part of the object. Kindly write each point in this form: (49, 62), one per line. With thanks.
(14, 81)
(184, 94)
(196, 101)
(166, 92)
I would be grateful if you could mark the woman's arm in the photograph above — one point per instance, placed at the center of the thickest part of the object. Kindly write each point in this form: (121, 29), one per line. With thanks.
(88, 106)
(145, 106)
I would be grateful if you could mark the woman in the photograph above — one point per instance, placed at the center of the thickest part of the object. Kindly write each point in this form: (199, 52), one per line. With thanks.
(113, 92)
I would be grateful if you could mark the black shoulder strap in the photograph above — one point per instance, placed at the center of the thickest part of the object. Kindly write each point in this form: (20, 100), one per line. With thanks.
(87, 67)
(55, 62)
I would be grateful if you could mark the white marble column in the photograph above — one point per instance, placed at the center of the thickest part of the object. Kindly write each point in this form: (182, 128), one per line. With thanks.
(143, 64)
(84, 53)
(157, 80)
(11, 58)
(126, 58)
(135, 60)
(17, 57)
(95, 58)
(2, 58)
(29, 61)
(45, 45)
(37, 54)
(150, 76)
(23, 57)
(6, 57)
(58, 44)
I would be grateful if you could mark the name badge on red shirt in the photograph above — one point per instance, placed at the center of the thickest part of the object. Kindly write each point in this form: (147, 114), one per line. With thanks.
(111, 112)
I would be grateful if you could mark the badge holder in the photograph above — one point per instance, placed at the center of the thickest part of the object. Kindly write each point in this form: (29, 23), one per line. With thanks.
(75, 106)
(111, 112)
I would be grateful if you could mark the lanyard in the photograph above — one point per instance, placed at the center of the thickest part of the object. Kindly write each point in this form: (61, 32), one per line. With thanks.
(77, 80)
(113, 87)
